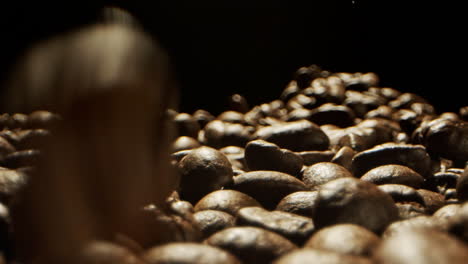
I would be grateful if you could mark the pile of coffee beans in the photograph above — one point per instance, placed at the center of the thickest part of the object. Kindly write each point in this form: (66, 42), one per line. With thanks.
(336, 170)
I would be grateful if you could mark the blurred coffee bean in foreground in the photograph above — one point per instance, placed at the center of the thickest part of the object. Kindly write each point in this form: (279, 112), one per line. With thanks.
(108, 156)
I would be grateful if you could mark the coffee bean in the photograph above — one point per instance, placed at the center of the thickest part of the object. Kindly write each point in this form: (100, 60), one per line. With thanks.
(11, 182)
(407, 210)
(5, 148)
(312, 157)
(291, 90)
(307, 255)
(301, 203)
(349, 200)
(382, 111)
(299, 114)
(19, 120)
(301, 101)
(220, 134)
(447, 211)
(238, 103)
(445, 180)
(22, 158)
(267, 187)
(183, 143)
(323, 172)
(31, 138)
(344, 157)
(203, 170)
(186, 125)
(419, 222)
(294, 227)
(202, 117)
(339, 115)
(421, 246)
(413, 156)
(361, 102)
(262, 155)
(305, 75)
(462, 186)
(251, 244)
(212, 221)
(229, 201)
(103, 252)
(42, 119)
(433, 201)
(458, 224)
(190, 253)
(402, 193)
(445, 138)
(451, 195)
(405, 100)
(345, 239)
(407, 119)
(231, 117)
(393, 174)
(296, 136)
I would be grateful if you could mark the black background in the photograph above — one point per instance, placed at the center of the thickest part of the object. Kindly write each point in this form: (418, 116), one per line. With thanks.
(253, 47)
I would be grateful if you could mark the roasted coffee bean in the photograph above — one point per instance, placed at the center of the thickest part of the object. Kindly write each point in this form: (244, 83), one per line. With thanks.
(202, 117)
(458, 224)
(344, 239)
(312, 157)
(291, 90)
(103, 252)
(450, 116)
(186, 125)
(445, 180)
(445, 138)
(184, 142)
(220, 134)
(11, 182)
(189, 253)
(267, 187)
(464, 113)
(301, 203)
(402, 193)
(462, 186)
(423, 222)
(405, 100)
(339, 115)
(19, 120)
(177, 156)
(299, 114)
(407, 210)
(31, 138)
(301, 101)
(361, 103)
(323, 172)
(408, 120)
(251, 244)
(307, 255)
(305, 75)
(238, 103)
(451, 194)
(421, 246)
(344, 157)
(202, 171)
(349, 200)
(22, 158)
(296, 136)
(433, 201)
(228, 201)
(423, 109)
(231, 117)
(413, 156)
(42, 119)
(447, 211)
(393, 174)
(293, 227)
(382, 111)
(212, 221)
(263, 155)
(5, 148)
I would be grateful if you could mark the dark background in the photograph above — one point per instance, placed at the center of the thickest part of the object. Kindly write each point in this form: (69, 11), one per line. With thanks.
(253, 47)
